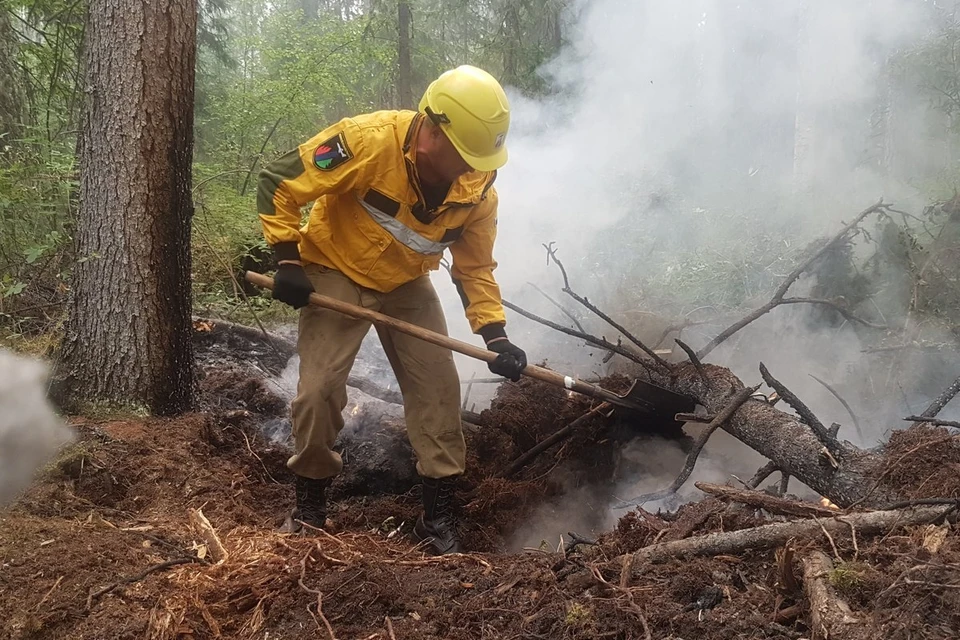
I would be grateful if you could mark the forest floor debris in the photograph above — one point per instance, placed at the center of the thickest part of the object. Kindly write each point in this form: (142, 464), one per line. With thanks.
(106, 544)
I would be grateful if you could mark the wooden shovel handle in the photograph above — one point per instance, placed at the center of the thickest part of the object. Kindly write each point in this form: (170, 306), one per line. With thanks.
(484, 355)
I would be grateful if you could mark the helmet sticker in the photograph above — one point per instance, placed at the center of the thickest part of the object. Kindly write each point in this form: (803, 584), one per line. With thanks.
(500, 140)
(332, 153)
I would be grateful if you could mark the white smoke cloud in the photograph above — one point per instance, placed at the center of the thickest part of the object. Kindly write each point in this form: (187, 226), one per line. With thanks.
(698, 128)
(30, 431)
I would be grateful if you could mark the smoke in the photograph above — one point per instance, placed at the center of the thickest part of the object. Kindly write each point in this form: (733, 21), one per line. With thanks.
(689, 154)
(30, 432)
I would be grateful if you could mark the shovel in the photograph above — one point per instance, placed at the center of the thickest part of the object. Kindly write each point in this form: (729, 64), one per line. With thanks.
(642, 397)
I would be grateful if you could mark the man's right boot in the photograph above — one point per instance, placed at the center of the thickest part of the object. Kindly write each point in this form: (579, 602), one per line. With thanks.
(311, 509)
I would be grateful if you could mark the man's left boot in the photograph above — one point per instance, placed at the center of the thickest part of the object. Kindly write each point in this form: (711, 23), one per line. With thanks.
(437, 526)
(311, 509)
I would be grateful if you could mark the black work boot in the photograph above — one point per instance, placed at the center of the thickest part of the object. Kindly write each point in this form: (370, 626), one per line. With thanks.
(437, 526)
(311, 506)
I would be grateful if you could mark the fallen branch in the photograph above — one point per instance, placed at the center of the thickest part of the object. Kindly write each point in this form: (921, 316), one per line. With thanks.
(763, 500)
(548, 442)
(846, 405)
(96, 595)
(934, 421)
(562, 308)
(781, 291)
(694, 453)
(823, 435)
(779, 533)
(552, 255)
(830, 617)
(595, 341)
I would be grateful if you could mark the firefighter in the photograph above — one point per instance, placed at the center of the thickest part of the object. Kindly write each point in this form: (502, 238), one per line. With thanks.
(392, 190)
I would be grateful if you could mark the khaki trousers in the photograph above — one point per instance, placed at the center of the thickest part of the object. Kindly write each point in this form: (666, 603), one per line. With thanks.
(328, 343)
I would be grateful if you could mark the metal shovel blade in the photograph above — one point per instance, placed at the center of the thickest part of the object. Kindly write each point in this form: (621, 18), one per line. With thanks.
(660, 402)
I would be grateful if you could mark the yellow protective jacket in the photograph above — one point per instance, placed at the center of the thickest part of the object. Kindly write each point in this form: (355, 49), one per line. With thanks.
(370, 220)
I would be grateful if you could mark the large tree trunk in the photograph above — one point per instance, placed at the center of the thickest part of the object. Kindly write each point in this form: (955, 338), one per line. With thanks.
(128, 336)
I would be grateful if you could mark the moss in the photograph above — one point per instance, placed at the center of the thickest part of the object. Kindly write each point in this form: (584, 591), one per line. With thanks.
(848, 577)
(577, 615)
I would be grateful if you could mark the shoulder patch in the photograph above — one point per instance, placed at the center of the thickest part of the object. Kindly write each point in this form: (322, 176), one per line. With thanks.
(332, 153)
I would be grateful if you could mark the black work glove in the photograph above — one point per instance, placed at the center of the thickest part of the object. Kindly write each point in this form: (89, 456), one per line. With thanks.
(511, 359)
(291, 285)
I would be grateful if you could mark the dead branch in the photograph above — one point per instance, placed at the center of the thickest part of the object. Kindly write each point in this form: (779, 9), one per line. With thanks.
(778, 534)
(762, 500)
(694, 453)
(781, 291)
(562, 308)
(823, 435)
(762, 474)
(693, 358)
(678, 328)
(833, 305)
(830, 617)
(595, 341)
(552, 255)
(942, 400)
(934, 421)
(96, 595)
(784, 483)
(846, 405)
(548, 442)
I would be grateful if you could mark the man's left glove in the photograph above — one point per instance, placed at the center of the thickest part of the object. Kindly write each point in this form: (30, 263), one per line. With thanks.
(511, 359)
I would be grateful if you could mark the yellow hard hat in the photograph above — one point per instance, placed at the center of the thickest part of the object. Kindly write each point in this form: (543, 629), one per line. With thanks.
(471, 108)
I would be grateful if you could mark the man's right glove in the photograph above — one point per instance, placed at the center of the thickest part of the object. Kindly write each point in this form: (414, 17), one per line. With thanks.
(291, 285)
(511, 360)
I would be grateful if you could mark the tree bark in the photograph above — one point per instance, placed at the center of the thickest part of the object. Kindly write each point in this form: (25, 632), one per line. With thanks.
(404, 84)
(127, 340)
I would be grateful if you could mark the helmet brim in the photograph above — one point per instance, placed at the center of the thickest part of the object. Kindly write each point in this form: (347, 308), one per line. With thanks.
(484, 163)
